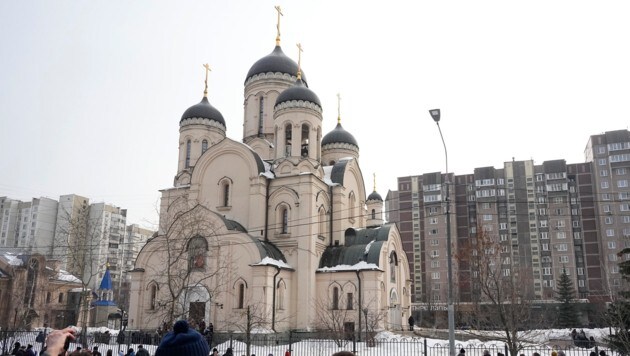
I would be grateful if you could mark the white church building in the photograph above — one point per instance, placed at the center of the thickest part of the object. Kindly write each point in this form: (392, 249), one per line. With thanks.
(278, 227)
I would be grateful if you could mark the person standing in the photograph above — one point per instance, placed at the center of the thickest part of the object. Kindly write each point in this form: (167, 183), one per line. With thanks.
(411, 322)
(142, 351)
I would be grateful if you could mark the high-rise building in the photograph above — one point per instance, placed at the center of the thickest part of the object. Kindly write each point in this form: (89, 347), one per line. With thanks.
(28, 226)
(545, 218)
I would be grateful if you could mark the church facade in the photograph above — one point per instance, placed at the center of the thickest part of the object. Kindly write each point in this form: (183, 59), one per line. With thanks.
(276, 229)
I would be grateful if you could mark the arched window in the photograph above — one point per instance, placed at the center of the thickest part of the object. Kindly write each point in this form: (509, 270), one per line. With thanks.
(352, 207)
(153, 289)
(287, 140)
(335, 298)
(373, 214)
(284, 214)
(241, 296)
(225, 190)
(204, 146)
(188, 144)
(304, 141)
(197, 249)
(48, 297)
(393, 264)
(280, 291)
(322, 222)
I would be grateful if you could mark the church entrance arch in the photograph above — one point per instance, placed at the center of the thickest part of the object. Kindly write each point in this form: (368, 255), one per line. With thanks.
(395, 316)
(196, 300)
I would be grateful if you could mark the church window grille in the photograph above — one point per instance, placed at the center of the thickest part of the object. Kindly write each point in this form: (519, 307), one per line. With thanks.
(204, 146)
(241, 296)
(349, 301)
(261, 101)
(188, 147)
(335, 298)
(393, 265)
(226, 194)
(287, 140)
(197, 249)
(305, 140)
(285, 220)
(373, 214)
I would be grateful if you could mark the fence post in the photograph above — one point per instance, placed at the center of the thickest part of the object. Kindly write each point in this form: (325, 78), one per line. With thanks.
(506, 350)
(425, 347)
(290, 341)
(354, 345)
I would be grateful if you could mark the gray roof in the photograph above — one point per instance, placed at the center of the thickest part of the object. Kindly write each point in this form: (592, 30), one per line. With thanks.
(354, 250)
(203, 110)
(339, 135)
(375, 196)
(299, 92)
(274, 62)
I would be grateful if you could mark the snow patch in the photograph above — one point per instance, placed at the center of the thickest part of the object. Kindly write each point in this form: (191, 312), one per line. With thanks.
(356, 267)
(270, 261)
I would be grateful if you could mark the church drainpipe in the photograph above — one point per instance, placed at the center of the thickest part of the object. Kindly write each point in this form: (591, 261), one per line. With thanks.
(360, 308)
(331, 214)
(267, 212)
(273, 303)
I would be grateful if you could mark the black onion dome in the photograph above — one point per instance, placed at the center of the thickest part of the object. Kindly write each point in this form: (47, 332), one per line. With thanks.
(375, 196)
(299, 91)
(274, 62)
(339, 135)
(203, 110)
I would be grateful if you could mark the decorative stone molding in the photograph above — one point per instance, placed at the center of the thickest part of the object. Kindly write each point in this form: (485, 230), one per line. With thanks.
(270, 75)
(297, 104)
(340, 145)
(202, 121)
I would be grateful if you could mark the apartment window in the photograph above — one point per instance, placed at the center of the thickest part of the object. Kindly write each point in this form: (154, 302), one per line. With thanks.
(624, 195)
(612, 245)
(436, 286)
(605, 196)
(563, 259)
(544, 235)
(435, 253)
(558, 200)
(432, 210)
(624, 207)
(435, 264)
(610, 232)
(542, 211)
(485, 205)
(612, 257)
(620, 171)
(503, 237)
(608, 220)
(561, 235)
(576, 223)
(435, 242)
(580, 271)
(622, 183)
(603, 173)
(615, 269)
(547, 271)
(435, 275)
(543, 223)
(561, 247)
(504, 249)
(503, 226)
(604, 184)
(581, 283)
(433, 221)
(545, 247)
(602, 161)
(433, 232)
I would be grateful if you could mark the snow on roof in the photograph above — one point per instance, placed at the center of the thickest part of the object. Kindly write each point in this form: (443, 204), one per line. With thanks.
(356, 267)
(176, 187)
(12, 259)
(67, 277)
(327, 172)
(367, 247)
(270, 261)
(267, 173)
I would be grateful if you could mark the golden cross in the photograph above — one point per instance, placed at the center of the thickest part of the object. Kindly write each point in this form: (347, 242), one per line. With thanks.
(205, 91)
(374, 181)
(278, 24)
(299, 73)
(338, 108)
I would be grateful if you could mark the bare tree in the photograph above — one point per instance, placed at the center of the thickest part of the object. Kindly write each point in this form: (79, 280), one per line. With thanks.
(501, 292)
(333, 319)
(249, 320)
(192, 270)
(80, 243)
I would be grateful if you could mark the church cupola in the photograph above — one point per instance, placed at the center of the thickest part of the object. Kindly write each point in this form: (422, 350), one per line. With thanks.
(298, 119)
(265, 80)
(200, 127)
(338, 143)
(374, 204)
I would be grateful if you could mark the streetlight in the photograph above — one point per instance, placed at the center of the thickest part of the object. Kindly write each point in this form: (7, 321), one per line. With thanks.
(435, 114)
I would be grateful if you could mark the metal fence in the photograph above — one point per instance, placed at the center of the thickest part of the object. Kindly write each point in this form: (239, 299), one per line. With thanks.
(299, 344)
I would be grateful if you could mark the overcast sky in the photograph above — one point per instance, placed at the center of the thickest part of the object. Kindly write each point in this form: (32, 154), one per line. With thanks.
(91, 92)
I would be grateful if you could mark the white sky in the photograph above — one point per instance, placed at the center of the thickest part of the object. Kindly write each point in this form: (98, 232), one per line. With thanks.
(91, 92)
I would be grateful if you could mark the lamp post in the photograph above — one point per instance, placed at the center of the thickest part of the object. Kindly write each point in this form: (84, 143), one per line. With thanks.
(435, 114)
